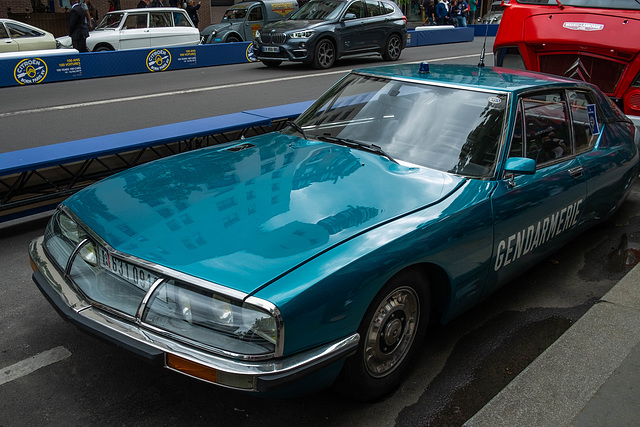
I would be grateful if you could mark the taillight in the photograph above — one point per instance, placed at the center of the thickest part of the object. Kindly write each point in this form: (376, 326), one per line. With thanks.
(404, 18)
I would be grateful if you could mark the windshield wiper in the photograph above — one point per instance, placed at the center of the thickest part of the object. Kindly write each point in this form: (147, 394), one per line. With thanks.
(297, 128)
(352, 143)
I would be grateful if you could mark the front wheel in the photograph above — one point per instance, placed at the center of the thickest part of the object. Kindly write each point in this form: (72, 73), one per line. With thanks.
(393, 48)
(324, 55)
(390, 334)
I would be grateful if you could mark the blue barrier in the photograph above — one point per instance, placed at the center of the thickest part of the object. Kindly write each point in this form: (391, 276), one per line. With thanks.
(479, 30)
(37, 179)
(32, 69)
(439, 35)
(65, 152)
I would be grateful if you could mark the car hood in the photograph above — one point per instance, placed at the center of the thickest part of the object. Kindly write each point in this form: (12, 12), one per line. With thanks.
(292, 25)
(245, 214)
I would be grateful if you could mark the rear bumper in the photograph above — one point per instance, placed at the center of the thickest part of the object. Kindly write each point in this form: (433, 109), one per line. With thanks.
(258, 376)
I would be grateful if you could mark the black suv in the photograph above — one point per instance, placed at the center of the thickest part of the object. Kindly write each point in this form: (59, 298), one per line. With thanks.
(322, 31)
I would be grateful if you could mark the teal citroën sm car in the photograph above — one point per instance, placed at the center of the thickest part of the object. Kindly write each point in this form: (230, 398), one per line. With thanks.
(320, 253)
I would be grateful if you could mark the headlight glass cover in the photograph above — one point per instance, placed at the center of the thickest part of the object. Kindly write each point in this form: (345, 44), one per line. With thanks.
(191, 313)
(203, 316)
(302, 34)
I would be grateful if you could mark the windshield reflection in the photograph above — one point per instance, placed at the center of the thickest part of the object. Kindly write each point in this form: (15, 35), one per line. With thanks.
(448, 129)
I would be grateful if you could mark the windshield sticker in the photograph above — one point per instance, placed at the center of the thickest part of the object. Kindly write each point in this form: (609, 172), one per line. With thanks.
(494, 100)
(537, 234)
(592, 112)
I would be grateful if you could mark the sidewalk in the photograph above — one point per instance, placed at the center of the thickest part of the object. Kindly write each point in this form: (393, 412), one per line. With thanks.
(589, 377)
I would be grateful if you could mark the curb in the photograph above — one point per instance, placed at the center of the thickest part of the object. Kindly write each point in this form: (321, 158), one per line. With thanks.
(557, 386)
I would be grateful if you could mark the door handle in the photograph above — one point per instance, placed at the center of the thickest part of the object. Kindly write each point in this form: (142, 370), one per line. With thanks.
(576, 172)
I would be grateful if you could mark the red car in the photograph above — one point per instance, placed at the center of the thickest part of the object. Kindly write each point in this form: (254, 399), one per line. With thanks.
(576, 39)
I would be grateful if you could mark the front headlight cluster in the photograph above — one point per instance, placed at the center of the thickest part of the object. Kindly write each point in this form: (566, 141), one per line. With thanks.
(302, 34)
(198, 314)
(62, 237)
(203, 316)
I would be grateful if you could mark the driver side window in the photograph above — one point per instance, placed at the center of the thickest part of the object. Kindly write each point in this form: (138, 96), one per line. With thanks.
(357, 9)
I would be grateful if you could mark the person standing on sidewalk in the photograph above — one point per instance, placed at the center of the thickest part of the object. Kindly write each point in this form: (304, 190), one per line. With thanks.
(78, 27)
(192, 10)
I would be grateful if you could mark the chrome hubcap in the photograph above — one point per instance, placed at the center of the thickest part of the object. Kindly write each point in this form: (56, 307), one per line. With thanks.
(391, 332)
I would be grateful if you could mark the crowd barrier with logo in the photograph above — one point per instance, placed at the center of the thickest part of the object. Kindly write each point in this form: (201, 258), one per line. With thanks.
(55, 66)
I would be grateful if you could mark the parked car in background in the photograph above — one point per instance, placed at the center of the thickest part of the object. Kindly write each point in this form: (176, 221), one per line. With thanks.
(594, 41)
(242, 20)
(322, 31)
(286, 261)
(17, 36)
(494, 15)
(140, 28)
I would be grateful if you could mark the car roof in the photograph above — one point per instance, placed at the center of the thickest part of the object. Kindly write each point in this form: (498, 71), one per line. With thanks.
(491, 78)
(149, 9)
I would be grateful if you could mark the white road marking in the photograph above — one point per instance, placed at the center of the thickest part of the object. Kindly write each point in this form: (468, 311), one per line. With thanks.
(189, 91)
(32, 364)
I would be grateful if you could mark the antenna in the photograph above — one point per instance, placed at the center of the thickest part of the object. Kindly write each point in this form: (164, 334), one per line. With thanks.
(484, 44)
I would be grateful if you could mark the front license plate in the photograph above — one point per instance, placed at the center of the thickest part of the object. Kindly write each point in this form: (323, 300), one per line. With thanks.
(270, 49)
(140, 277)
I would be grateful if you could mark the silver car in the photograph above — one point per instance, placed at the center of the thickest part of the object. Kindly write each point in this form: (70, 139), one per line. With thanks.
(140, 28)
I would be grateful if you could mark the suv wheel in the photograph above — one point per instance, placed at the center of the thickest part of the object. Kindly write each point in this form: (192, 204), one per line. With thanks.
(393, 48)
(324, 55)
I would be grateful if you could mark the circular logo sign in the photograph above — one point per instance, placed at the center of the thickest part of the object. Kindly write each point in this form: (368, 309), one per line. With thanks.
(158, 60)
(250, 56)
(30, 71)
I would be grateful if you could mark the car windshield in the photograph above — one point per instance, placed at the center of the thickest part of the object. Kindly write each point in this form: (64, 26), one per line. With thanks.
(319, 10)
(110, 21)
(594, 4)
(235, 14)
(452, 130)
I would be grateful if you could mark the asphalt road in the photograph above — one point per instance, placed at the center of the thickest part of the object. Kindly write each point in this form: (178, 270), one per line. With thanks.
(52, 374)
(65, 111)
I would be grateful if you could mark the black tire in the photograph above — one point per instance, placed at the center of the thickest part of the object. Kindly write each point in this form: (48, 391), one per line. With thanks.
(271, 63)
(325, 55)
(102, 49)
(393, 48)
(233, 39)
(391, 332)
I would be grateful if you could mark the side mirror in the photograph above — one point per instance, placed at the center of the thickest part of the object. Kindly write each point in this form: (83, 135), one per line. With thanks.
(520, 166)
(349, 16)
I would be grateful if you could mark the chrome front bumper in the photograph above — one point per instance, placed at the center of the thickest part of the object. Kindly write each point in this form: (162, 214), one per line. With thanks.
(257, 376)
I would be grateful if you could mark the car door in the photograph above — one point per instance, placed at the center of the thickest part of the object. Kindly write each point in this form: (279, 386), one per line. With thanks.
(6, 43)
(351, 35)
(161, 30)
(254, 22)
(535, 214)
(134, 33)
(376, 24)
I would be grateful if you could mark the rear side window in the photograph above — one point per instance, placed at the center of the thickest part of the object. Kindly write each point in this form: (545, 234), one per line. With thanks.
(374, 8)
(586, 120)
(161, 19)
(17, 31)
(542, 129)
(387, 8)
